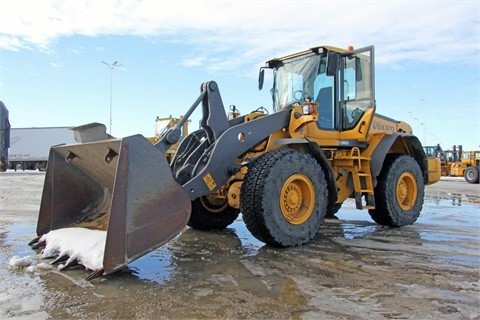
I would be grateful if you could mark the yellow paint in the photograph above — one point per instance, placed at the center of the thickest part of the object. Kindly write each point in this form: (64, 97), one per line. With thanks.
(208, 179)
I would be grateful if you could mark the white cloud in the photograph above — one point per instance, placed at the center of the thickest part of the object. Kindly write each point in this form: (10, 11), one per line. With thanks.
(437, 31)
(56, 64)
(12, 43)
(193, 61)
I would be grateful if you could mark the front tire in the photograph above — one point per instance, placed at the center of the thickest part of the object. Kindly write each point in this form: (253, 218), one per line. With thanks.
(209, 213)
(399, 192)
(471, 174)
(284, 198)
(332, 210)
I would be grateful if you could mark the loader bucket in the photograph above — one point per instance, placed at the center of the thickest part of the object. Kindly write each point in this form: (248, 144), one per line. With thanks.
(123, 186)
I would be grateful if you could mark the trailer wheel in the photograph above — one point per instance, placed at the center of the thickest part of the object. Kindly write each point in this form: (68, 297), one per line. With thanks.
(283, 198)
(209, 213)
(471, 174)
(399, 192)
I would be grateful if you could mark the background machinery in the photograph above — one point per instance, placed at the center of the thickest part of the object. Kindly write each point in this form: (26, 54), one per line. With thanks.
(444, 156)
(471, 163)
(4, 137)
(285, 171)
(461, 163)
(456, 162)
(163, 125)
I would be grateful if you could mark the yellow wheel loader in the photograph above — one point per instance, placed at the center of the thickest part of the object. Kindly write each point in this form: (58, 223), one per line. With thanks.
(459, 163)
(285, 171)
(162, 125)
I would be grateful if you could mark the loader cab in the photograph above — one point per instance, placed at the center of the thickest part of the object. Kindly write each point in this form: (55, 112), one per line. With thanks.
(340, 81)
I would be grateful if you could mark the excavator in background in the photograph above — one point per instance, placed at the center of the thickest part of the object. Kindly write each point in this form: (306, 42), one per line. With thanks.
(285, 171)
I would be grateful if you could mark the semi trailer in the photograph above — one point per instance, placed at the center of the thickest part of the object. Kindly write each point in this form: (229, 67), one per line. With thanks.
(30, 147)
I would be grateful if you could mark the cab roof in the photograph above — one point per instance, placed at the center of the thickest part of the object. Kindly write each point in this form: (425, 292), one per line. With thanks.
(319, 49)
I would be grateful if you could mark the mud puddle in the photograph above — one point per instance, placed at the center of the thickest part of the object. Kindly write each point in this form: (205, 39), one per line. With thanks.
(354, 269)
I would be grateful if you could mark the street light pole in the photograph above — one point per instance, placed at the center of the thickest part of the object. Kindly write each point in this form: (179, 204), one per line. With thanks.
(424, 122)
(418, 123)
(111, 67)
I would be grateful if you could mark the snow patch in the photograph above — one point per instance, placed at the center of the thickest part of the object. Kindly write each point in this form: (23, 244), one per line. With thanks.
(84, 245)
(20, 262)
(40, 267)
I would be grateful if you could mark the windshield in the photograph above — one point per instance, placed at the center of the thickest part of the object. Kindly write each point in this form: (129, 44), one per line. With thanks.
(343, 95)
(294, 81)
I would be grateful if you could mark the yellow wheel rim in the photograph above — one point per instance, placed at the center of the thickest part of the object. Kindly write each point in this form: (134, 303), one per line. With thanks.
(297, 199)
(214, 204)
(407, 191)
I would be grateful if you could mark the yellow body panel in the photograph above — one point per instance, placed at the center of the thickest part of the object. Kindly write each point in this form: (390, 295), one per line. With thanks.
(347, 162)
(434, 170)
(389, 126)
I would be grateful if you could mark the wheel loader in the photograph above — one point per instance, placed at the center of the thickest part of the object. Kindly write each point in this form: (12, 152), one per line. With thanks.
(284, 171)
(457, 162)
(162, 126)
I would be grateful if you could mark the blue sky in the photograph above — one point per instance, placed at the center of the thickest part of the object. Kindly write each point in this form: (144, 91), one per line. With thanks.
(51, 53)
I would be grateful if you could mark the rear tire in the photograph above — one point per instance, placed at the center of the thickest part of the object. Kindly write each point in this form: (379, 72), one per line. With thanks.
(471, 174)
(399, 192)
(284, 198)
(209, 214)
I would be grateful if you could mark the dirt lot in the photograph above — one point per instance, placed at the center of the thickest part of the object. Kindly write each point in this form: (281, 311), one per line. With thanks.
(354, 269)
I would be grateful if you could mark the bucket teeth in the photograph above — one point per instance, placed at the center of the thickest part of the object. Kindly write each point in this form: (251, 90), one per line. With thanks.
(34, 241)
(38, 244)
(95, 274)
(60, 259)
(70, 263)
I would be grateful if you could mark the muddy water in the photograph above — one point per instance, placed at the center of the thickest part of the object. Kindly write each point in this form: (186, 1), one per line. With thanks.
(353, 269)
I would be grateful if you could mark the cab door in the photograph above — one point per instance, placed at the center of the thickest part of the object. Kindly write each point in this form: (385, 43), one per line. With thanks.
(356, 107)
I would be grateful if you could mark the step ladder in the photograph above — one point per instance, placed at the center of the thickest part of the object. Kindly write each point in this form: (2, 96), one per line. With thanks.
(362, 180)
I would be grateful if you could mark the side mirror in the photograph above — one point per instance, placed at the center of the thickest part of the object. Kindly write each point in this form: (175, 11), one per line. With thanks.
(261, 77)
(333, 61)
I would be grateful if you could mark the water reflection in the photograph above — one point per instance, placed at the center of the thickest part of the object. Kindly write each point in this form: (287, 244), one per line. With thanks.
(21, 293)
(222, 254)
(209, 262)
(456, 199)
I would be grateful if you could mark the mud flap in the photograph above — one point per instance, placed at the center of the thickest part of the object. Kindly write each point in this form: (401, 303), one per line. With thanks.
(124, 186)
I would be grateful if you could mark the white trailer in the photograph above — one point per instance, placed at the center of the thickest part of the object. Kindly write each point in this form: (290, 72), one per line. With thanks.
(30, 147)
